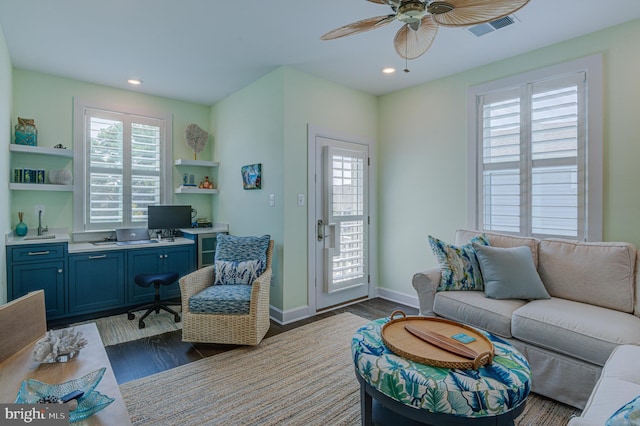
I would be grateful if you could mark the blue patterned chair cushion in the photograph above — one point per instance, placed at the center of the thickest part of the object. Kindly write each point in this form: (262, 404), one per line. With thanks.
(240, 249)
(459, 265)
(627, 415)
(491, 390)
(231, 273)
(221, 299)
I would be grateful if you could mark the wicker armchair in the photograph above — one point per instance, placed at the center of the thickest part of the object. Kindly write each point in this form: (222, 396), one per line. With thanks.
(239, 329)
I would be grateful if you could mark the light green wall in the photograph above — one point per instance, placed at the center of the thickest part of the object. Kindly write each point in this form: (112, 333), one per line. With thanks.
(49, 101)
(266, 122)
(247, 128)
(6, 97)
(310, 100)
(423, 151)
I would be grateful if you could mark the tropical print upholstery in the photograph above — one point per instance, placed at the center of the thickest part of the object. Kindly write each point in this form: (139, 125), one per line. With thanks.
(627, 415)
(491, 390)
(459, 265)
(222, 299)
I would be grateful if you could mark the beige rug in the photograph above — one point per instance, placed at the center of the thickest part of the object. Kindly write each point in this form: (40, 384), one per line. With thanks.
(118, 329)
(302, 377)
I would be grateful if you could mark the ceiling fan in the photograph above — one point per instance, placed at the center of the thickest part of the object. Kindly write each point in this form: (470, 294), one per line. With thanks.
(421, 19)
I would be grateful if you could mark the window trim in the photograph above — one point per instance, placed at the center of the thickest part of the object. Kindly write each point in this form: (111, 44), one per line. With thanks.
(80, 153)
(592, 66)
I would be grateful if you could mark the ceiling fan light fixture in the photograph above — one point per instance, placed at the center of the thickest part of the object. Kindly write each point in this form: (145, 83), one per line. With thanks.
(440, 7)
(411, 11)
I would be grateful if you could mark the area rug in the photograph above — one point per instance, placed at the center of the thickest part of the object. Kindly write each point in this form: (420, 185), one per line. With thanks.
(118, 329)
(301, 377)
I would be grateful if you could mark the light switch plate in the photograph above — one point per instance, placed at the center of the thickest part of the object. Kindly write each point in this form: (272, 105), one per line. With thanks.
(272, 200)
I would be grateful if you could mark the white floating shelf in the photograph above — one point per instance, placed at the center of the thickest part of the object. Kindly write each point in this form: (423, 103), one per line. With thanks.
(199, 163)
(39, 187)
(27, 149)
(194, 190)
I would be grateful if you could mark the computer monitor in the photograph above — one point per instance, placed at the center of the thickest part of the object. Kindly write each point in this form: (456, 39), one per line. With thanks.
(168, 217)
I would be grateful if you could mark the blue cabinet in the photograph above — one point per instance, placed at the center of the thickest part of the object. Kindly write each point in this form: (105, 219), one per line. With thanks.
(178, 259)
(38, 266)
(96, 281)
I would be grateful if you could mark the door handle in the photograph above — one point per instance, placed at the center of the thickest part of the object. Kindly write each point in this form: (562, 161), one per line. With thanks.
(320, 230)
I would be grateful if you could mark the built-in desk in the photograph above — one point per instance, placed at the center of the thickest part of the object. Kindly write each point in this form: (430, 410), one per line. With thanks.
(82, 279)
(21, 366)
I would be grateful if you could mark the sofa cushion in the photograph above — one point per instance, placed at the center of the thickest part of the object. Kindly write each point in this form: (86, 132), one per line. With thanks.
(458, 264)
(600, 274)
(618, 384)
(509, 273)
(500, 240)
(586, 332)
(222, 299)
(473, 308)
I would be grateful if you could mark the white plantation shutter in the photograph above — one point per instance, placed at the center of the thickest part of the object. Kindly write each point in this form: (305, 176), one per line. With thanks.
(125, 168)
(532, 161)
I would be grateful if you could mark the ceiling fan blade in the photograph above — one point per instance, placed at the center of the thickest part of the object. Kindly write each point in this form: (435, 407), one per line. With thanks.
(411, 44)
(359, 27)
(461, 13)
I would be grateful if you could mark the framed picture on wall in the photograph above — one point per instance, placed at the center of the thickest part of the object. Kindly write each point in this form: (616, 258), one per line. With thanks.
(251, 176)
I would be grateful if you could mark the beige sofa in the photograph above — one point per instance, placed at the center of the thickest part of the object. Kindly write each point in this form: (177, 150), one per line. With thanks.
(568, 338)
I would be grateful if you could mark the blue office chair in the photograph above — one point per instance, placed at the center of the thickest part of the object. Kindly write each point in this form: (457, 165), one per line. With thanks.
(147, 280)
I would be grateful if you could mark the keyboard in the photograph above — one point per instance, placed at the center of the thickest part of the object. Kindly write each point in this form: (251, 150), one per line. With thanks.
(135, 242)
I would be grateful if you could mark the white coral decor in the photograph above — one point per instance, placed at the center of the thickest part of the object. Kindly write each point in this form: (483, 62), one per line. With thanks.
(195, 138)
(59, 345)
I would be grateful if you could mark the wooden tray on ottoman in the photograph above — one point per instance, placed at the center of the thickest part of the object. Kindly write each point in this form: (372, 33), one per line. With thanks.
(407, 345)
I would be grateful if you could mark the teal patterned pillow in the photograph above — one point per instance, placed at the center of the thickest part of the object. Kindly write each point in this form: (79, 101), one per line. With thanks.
(232, 273)
(627, 415)
(241, 249)
(459, 265)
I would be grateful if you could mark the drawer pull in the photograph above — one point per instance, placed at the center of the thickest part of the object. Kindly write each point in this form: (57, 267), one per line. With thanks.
(39, 253)
(59, 271)
(98, 257)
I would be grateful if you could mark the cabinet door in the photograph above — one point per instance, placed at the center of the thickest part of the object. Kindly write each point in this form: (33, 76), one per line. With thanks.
(142, 261)
(96, 281)
(180, 259)
(49, 276)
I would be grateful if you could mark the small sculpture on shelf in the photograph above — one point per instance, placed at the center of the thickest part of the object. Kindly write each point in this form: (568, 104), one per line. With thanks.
(206, 184)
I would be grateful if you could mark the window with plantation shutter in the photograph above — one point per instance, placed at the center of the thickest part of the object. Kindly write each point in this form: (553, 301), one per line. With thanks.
(538, 150)
(123, 162)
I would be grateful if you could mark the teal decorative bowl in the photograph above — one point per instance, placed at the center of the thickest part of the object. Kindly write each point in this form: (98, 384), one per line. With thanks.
(34, 391)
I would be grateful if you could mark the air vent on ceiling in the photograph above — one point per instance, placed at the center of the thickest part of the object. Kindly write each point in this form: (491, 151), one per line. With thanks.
(482, 29)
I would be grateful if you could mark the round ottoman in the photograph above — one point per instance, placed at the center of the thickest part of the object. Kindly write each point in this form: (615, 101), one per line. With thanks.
(494, 394)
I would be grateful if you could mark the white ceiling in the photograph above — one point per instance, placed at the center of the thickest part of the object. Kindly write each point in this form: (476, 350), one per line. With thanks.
(203, 50)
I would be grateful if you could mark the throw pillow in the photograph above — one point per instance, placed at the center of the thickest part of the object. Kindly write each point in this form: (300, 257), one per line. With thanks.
(458, 264)
(231, 248)
(232, 273)
(627, 415)
(509, 273)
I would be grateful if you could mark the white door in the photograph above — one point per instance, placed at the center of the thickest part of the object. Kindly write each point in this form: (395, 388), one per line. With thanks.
(341, 219)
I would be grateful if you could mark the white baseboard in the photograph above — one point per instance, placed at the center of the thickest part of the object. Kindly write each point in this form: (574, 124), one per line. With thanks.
(396, 296)
(292, 315)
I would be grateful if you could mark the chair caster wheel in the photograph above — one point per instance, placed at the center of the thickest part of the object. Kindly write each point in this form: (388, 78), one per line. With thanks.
(141, 324)
(176, 318)
(130, 316)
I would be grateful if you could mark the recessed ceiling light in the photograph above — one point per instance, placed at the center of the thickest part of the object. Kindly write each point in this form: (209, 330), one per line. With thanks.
(134, 81)
(388, 70)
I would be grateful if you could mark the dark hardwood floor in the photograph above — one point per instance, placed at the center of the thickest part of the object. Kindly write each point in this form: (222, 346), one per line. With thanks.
(150, 355)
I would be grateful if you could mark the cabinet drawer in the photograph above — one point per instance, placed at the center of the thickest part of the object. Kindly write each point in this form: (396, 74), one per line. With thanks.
(37, 253)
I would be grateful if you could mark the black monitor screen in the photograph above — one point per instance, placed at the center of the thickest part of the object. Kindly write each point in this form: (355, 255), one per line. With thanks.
(168, 217)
